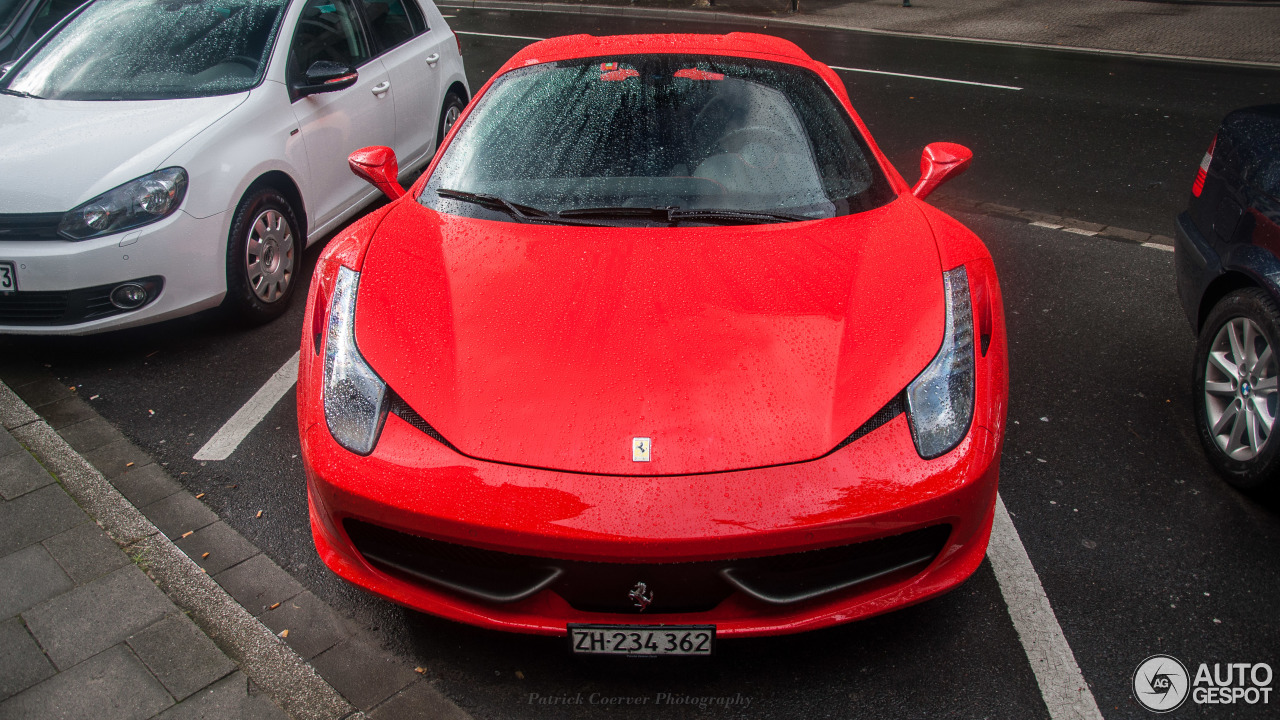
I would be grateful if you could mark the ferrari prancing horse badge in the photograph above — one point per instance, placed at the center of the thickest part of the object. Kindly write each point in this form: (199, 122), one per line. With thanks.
(640, 449)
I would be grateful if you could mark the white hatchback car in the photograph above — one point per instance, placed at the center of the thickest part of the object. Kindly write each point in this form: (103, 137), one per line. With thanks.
(158, 157)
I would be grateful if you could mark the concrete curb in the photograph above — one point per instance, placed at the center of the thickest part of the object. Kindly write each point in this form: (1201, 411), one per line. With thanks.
(1054, 222)
(271, 664)
(13, 412)
(817, 21)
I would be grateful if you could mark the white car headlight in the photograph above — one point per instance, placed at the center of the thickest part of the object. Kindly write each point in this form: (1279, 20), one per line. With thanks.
(355, 398)
(133, 204)
(940, 399)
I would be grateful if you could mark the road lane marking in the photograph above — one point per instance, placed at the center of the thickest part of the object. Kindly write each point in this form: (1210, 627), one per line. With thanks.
(1090, 233)
(513, 37)
(234, 431)
(1061, 684)
(925, 77)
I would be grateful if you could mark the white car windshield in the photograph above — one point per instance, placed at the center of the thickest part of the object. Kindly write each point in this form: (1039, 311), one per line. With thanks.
(8, 9)
(152, 50)
(657, 139)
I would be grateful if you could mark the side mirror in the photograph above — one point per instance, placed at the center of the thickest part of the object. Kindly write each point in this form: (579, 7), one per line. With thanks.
(326, 76)
(377, 165)
(4, 69)
(940, 162)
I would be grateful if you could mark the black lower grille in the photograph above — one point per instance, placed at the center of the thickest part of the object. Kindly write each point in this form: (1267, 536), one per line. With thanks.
(33, 308)
(67, 307)
(677, 587)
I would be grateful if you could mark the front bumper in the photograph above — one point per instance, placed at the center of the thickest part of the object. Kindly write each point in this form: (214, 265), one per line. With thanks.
(187, 254)
(875, 488)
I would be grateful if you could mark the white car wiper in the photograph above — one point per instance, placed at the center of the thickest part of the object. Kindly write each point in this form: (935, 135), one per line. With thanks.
(18, 93)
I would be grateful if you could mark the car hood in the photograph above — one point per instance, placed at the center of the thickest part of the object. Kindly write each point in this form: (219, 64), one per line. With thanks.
(56, 154)
(728, 347)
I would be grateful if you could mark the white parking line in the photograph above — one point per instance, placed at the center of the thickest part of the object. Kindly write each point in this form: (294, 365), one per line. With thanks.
(926, 77)
(513, 37)
(1158, 246)
(1062, 686)
(234, 431)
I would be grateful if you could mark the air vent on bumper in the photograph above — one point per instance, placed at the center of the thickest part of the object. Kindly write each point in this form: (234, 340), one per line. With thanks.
(499, 577)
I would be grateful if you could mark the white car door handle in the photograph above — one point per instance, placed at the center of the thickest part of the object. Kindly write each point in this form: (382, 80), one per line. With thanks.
(433, 58)
(382, 87)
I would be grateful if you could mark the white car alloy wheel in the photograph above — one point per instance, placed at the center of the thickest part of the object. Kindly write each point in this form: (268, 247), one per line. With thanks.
(264, 254)
(269, 255)
(451, 116)
(1240, 389)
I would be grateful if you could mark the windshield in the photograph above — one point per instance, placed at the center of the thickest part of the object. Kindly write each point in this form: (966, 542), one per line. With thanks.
(593, 138)
(8, 8)
(153, 50)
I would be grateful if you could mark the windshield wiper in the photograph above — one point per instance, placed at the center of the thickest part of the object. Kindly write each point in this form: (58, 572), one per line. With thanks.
(18, 93)
(743, 216)
(523, 213)
(676, 214)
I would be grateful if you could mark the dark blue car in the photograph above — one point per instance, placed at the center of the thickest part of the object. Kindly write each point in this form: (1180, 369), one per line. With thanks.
(1228, 266)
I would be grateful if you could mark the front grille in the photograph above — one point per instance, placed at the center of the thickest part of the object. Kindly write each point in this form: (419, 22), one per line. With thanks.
(67, 307)
(30, 226)
(677, 587)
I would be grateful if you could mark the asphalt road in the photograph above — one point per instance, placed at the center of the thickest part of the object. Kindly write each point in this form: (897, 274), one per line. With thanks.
(1140, 548)
(1101, 138)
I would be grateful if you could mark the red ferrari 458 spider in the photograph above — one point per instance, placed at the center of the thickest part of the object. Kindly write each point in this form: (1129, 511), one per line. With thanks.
(659, 349)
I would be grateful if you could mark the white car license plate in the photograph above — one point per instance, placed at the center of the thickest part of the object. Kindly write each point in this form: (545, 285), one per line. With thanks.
(642, 639)
(8, 277)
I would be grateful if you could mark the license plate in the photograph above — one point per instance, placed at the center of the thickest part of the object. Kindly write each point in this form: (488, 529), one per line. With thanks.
(8, 277)
(641, 640)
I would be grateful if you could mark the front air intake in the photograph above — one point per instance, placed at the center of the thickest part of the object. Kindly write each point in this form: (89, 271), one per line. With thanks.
(499, 577)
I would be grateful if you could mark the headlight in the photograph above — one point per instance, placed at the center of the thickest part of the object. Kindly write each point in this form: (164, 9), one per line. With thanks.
(355, 398)
(133, 204)
(940, 400)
